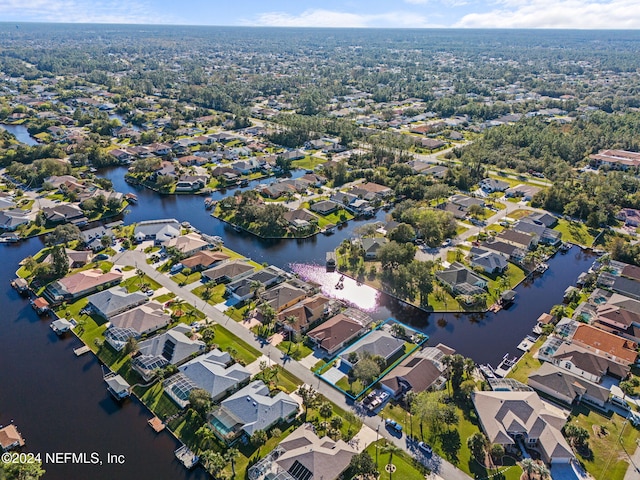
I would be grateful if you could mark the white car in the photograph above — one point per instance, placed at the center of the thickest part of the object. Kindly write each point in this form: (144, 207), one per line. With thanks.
(425, 448)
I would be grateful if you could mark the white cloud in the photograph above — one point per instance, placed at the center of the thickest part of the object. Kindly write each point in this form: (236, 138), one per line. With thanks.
(578, 14)
(80, 11)
(417, 2)
(329, 18)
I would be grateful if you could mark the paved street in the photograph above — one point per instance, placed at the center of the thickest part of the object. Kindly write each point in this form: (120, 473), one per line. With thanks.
(138, 259)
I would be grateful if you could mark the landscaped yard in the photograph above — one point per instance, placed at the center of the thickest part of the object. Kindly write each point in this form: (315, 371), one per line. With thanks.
(527, 364)
(225, 340)
(406, 467)
(132, 284)
(308, 162)
(182, 279)
(216, 293)
(576, 232)
(608, 460)
(450, 442)
(294, 350)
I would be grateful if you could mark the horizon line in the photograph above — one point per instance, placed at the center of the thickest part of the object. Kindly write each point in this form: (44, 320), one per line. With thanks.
(293, 27)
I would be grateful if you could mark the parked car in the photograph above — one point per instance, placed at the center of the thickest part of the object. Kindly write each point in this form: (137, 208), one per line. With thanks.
(177, 268)
(425, 448)
(101, 256)
(149, 293)
(393, 425)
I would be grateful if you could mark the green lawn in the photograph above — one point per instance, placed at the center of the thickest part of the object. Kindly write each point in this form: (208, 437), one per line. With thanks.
(608, 460)
(296, 351)
(518, 214)
(182, 279)
(576, 232)
(224, 339)
(514, 274)
(450, 442)
(158, 401)
(165, 298)
(132, 284)
(406, 467)
(527, 364)
(217, 293)
(308, 162)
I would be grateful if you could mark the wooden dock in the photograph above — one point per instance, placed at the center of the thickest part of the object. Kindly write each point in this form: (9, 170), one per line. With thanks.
(156, 424)
(81, 350)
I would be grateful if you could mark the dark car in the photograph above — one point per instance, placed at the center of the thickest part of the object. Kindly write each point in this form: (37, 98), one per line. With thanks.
(425, 448)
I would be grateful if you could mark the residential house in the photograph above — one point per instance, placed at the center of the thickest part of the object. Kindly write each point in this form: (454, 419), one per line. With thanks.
(333, 334)
(10, 438)
(525, 191)
(109, 303)
(172, 347)
(491, 185)
(324, 207)
(141, 320)
(489, 261)
(524, 241)
(420, 372)
(512, 252)
(344, 199)
(431, 143)
(283, 296)
(539, 230)
(188, 244)
(120, 155)
(314, 180)
(228, 271)
(191, 160)
(191, 183)
(157, 230)
(10, 220)
(6, 203)
(76, 258)
(215, 372)
(603, 343)
(300, 218)
(378, 343)
(304, 456)
(616, 159)
(585, 363)
(630, 217)
(80, 284)
(465, 201)
(461, 280)
(92, 238)
(544, 218)
(204, 259)
(244, 288)
(566, 387)
(370, 191)
(307, 312)
(251, 409)
(437, 171)
(521, 418)
(63, 213)
(371, 245)
(618, 320)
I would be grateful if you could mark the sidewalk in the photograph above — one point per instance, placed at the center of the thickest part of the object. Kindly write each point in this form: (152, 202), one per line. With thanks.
(138, 259)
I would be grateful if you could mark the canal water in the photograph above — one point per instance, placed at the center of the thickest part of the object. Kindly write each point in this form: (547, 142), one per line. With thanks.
(59, 401)
(21, 133)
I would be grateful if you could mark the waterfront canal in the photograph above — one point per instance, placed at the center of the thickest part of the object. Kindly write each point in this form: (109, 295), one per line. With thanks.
(59, 401)
(21, 133)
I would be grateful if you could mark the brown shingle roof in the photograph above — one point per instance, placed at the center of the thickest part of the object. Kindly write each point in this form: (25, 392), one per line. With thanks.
(204, 258)
(335, 331)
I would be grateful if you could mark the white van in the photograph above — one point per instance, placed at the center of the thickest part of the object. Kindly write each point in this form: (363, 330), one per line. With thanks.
(620, 402)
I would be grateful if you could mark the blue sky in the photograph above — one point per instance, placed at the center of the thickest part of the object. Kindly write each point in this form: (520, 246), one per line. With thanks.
(597, 14)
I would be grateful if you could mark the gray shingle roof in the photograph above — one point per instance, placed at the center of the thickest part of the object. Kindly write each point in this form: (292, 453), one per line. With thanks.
(255, 409)
(115, 300)
(210, 372)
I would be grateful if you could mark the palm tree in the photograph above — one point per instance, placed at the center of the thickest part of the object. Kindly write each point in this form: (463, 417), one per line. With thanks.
(529, 466)
(177, 307)
(325, 410)
(390, 448)
(256, 287)
(141, 275)
(469, 367)
(477, 444)
(205, 436)
(290, 320)
(231, 456)
(447, 361)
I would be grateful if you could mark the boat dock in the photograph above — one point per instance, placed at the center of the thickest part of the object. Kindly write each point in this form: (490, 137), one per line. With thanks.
(156, 424)
(81, 350)
(186, 457)
(526, 344)
(331, 261)
(505, 366)
(117, 386)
